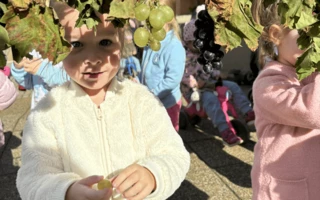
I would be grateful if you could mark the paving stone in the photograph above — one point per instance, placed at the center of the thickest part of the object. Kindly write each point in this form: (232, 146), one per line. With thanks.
(209, 186)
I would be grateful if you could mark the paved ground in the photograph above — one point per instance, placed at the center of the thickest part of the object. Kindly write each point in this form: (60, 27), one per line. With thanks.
(216, 172)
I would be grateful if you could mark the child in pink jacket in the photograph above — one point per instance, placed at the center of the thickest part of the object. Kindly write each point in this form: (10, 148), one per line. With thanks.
(286, 157)
(8, 94)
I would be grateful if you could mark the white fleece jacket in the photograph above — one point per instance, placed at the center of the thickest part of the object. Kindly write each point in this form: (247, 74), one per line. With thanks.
(67, 138)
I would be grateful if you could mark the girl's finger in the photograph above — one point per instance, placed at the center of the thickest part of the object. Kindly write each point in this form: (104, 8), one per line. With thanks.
(123, 176)
(99, 194)
(128, 183)
(89, 181)
(134, 190)
(142, 195)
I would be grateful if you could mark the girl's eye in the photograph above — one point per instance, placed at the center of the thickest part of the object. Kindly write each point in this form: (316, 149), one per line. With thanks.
(105, 42)
(76, 44)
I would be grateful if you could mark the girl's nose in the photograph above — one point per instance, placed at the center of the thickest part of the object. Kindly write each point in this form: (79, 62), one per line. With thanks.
(92, 58)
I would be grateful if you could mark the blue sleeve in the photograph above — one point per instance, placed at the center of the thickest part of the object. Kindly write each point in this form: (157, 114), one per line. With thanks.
(22, 77)
(137, 63)
(174, 69)
(52, 75)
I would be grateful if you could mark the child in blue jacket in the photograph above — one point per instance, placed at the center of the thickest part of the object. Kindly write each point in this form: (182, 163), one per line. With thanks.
(162, 70)
(38, 75)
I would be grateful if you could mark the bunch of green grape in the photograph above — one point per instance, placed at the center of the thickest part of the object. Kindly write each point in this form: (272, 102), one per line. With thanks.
(154, 16)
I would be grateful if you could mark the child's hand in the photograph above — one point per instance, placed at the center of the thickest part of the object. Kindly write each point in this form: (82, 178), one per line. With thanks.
(30, 66)
(135, 182)
(81, 190)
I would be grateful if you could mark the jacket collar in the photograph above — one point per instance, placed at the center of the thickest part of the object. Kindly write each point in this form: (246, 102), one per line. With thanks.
(114, 87)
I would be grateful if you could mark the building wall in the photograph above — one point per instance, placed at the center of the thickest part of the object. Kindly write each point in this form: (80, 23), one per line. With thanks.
(185, 7)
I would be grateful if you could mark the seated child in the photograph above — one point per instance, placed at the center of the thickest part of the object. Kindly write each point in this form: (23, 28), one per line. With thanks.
(38, 75)
(195, 78)
(95, 127)
(8, 94)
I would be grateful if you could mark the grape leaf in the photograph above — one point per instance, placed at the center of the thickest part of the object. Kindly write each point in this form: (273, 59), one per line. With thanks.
(122, 9)
(296, 14)
(4, 37)
(234, 16)
(226, 37)
(24, 4)
(304, 65)
(44, 29)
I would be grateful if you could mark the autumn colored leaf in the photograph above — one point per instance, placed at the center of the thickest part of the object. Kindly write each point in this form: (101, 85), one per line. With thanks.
(44, 29)
(234, 22)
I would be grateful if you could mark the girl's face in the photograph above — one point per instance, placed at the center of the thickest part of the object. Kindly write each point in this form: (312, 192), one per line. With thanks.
(94, 58)
(288, 49)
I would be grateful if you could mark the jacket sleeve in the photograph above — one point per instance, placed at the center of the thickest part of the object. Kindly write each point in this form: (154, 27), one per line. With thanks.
(52, 75)
(137, 63)
(285, 101)
(41, 175)
(166, 157)
(22, 77)
(174, 69)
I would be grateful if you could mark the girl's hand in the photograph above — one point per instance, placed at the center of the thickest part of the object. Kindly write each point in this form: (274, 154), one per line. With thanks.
(30, 66)
(135, 182)
(81, 190)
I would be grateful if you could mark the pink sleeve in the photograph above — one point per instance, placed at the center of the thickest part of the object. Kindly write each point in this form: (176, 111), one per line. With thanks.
(280, 98)
(8, 92)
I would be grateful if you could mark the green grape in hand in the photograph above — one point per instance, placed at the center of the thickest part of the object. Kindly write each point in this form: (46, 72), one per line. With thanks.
(142, 12)
(141, 37)
(104, 183)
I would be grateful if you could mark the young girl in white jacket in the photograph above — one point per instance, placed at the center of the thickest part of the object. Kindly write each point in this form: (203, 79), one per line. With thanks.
(95, 127)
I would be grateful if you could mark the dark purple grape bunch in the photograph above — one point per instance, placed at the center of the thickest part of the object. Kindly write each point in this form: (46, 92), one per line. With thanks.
(210, 54)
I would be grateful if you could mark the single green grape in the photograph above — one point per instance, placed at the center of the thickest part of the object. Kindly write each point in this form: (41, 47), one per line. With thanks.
(168, 13)
(141, 37)
(156, 18)
(158, 34)
(142, 12)
(155, 45)
(105, 183)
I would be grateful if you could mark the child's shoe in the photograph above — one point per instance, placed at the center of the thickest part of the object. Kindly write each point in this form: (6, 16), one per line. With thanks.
(250, 117)
(230, 138)
(21, 88)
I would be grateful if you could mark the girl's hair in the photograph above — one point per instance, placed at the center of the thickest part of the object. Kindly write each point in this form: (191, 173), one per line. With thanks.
(173, 25)
(266, 16)
(128, 48)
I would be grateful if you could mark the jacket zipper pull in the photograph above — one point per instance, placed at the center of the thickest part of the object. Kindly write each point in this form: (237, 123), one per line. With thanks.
(99, 114)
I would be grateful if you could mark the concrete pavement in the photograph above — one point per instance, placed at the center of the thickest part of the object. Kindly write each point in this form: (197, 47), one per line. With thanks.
(216, 172)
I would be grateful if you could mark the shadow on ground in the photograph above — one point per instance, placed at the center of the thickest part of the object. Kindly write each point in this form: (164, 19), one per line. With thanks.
(9, 166)
(230, 162)
(187, 191)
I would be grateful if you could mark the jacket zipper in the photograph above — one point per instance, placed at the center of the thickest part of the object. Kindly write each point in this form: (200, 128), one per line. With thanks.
(103, 153)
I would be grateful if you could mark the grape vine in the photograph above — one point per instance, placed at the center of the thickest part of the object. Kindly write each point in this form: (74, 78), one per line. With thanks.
(154, 16)
(234, 22)
(31, 24)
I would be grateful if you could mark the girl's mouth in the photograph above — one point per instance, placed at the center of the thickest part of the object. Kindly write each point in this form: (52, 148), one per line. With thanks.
(92, 75)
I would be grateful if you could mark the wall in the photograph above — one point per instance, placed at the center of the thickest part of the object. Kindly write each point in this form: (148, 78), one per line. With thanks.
(185, 7)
